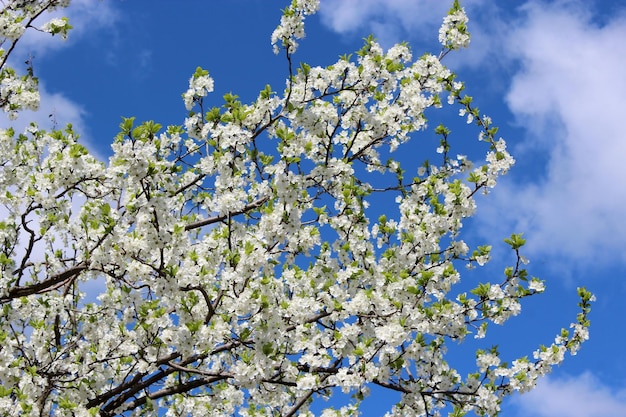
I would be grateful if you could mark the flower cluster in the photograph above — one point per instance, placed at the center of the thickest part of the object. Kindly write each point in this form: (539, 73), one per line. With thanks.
(11, 26)
(200, 85)
(453, 33)
(239, 263)
(57, 26)
(17, 92)
(20, 92)
(291, 25)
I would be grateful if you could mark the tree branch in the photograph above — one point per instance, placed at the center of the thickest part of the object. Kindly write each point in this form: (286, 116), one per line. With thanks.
(216, 219)
(42, 286)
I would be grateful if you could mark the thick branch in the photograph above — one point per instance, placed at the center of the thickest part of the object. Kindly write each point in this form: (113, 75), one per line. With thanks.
(176, 389)
(216, 219)
(42, 286)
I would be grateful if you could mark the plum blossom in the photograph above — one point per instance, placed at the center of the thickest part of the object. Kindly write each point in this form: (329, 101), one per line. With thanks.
(453, 33)
(259, 255)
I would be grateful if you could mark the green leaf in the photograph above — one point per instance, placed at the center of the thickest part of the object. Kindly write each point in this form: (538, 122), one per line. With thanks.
(194, 326)
(268, 348)
(213, 115)
(200, 72)
(267, 92)
(466, 100)
(442, 130)
(77, 150)
(5, 391)
(305, 68)
(249, 247)
(127, 125)
(482, 290)
(515, 241)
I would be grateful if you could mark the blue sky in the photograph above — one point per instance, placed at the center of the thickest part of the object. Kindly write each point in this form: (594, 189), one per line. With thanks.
(550, 73)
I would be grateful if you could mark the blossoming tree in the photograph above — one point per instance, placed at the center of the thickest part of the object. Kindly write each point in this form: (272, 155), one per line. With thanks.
(241, 267)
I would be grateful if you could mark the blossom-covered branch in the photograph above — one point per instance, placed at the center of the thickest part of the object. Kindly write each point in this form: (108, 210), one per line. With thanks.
(240, 260)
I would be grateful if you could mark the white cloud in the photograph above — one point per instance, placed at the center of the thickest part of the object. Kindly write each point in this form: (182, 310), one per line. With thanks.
(582, 396)
(569, 95)
(86, 16)
(567, 92)
(54, 108)
(345, 16)
(390, 21)
(418, 22)
(55, 112)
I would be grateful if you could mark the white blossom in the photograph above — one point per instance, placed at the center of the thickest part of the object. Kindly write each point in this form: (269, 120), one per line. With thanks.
(234, 264)
(453, 33)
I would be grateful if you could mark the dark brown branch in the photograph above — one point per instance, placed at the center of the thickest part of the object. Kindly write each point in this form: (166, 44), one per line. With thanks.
(299, 404)
(5, 56)
(176, 389)
(117, 396)
(42, 286)
(391, 386)
(189, 185)
(102, 398)
(308, 395)
(216, 219)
